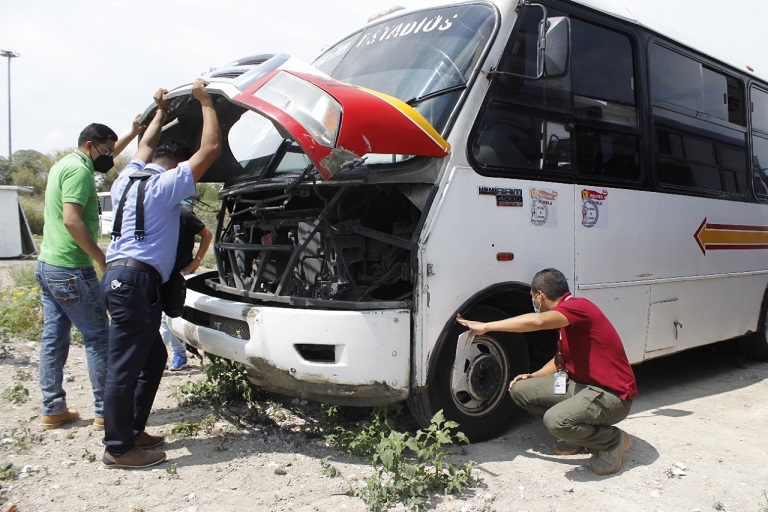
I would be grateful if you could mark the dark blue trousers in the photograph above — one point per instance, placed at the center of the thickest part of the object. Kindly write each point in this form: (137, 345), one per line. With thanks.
(136, 355)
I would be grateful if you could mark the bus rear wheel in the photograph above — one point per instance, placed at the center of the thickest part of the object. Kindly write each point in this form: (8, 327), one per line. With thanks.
(473, 392)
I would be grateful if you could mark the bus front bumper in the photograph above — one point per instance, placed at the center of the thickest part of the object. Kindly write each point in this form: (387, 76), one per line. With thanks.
(342, 357)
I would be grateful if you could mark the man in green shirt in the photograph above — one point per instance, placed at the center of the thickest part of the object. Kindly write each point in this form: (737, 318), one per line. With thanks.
(71, 291)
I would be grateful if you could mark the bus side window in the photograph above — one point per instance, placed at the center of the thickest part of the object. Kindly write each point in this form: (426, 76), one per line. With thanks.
(585, 121)
(760, 166)
(698, 116)
(759, 104)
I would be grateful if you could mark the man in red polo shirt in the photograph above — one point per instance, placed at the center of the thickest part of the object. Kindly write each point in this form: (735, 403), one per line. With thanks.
(587, 387)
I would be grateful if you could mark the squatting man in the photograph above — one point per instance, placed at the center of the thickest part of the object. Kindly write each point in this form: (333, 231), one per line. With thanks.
(587, 387)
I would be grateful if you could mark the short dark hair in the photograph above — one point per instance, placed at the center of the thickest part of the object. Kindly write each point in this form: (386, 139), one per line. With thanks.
(550, 281)
(96, 132)
(177, 151)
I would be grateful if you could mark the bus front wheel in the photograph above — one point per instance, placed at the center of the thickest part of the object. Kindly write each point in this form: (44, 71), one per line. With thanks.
(473, 391)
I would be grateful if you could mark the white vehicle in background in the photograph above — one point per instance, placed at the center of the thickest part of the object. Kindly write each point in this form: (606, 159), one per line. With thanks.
(431, 162)
(105, 213)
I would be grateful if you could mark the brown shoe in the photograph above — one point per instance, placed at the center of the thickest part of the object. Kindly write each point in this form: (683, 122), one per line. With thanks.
(49, 421)
(146, 441)
(565, 448)
(134, 459)
(98, 423)
(609, 462)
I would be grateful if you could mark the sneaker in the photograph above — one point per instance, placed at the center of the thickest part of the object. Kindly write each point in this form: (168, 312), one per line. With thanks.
(565, 448)
(609, 462)
(98, 423)
(146, 441)
(49, 421)
(178, 362)
(134, 459)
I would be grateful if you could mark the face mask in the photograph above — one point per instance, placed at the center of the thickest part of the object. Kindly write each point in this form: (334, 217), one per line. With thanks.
(535, 309)
(103, 163)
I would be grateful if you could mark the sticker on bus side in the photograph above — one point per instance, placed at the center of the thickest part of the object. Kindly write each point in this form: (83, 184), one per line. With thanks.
(543, 207)
(594, 208)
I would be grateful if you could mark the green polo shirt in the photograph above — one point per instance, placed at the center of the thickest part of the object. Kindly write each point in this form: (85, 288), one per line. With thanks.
(69, 181)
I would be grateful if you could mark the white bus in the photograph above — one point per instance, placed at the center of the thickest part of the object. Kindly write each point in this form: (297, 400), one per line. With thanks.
(431, 162)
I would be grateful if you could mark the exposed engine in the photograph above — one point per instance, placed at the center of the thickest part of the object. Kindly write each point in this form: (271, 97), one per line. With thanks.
(320, 244)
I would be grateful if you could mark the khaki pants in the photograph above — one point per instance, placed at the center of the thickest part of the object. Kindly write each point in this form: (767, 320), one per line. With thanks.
(582, 416)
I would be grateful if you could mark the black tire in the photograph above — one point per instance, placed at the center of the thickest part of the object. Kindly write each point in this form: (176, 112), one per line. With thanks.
(755, 346)
(482, 406)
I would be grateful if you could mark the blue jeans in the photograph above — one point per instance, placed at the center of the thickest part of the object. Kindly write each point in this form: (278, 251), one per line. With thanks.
(136, 354)
(171, 341)
(71, 296)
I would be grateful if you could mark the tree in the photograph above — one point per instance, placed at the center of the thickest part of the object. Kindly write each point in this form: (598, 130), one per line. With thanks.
(6, 170)
(30, 169)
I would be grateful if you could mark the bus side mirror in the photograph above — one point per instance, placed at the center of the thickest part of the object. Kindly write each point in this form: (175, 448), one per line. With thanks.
(557, 46)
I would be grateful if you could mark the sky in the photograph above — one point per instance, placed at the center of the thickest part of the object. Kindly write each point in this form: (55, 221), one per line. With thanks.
(85, 61)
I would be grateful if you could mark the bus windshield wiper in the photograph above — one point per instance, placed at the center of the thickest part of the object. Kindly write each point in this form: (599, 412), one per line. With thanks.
(415, 101)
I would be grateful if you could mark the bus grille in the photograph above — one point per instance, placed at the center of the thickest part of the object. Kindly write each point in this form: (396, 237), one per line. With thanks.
(236, 328)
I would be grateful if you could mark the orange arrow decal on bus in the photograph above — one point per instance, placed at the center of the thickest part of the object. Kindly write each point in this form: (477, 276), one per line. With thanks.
(718, 237)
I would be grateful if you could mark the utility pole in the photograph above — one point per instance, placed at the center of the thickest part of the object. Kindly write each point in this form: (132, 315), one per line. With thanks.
(9, 55)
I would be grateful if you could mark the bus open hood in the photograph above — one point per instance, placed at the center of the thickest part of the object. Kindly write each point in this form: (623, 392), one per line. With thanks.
(336, 123)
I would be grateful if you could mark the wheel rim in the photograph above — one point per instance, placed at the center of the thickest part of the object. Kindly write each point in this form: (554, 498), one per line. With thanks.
(482, 384)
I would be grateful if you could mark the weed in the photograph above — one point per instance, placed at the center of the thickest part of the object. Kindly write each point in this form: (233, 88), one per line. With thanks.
(363, 437)
(185, 429)
(172, 471)
(88, 456)
(23, 438)
(21, 313)
(16, 394)
(329, 469)
(5, 352)
(8, 472)
(413, 479)
(208, 424)
(22, 376)
(226, 382)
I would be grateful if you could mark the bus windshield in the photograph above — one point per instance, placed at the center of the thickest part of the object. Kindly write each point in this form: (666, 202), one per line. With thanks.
(424, 59)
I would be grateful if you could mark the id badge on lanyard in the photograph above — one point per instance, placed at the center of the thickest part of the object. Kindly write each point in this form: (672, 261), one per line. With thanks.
(561, 377)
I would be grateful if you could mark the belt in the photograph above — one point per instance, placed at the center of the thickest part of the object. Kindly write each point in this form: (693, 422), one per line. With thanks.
(129, 262)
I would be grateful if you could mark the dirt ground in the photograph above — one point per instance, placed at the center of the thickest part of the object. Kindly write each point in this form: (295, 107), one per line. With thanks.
(697, 445)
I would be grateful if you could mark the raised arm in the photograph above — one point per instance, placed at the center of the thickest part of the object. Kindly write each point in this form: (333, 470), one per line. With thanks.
(149, 141)
(126, 139)
(210, 139)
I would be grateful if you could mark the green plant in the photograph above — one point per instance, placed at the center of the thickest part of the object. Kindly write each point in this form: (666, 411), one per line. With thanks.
(172, 471)
(23, 437)
(361, 437)
(33, 211)
(329, 469)
(88, 456)
(411, 468)
(8, 472)
(208, 424)
(22, 376)
(21, 314)
(226, 382)
(185, 429)
(16, 394)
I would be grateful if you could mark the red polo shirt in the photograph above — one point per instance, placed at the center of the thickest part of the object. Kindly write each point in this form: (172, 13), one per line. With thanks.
(592, 350)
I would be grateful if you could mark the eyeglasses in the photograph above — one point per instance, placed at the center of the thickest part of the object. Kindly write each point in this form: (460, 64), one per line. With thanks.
(107, 152)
